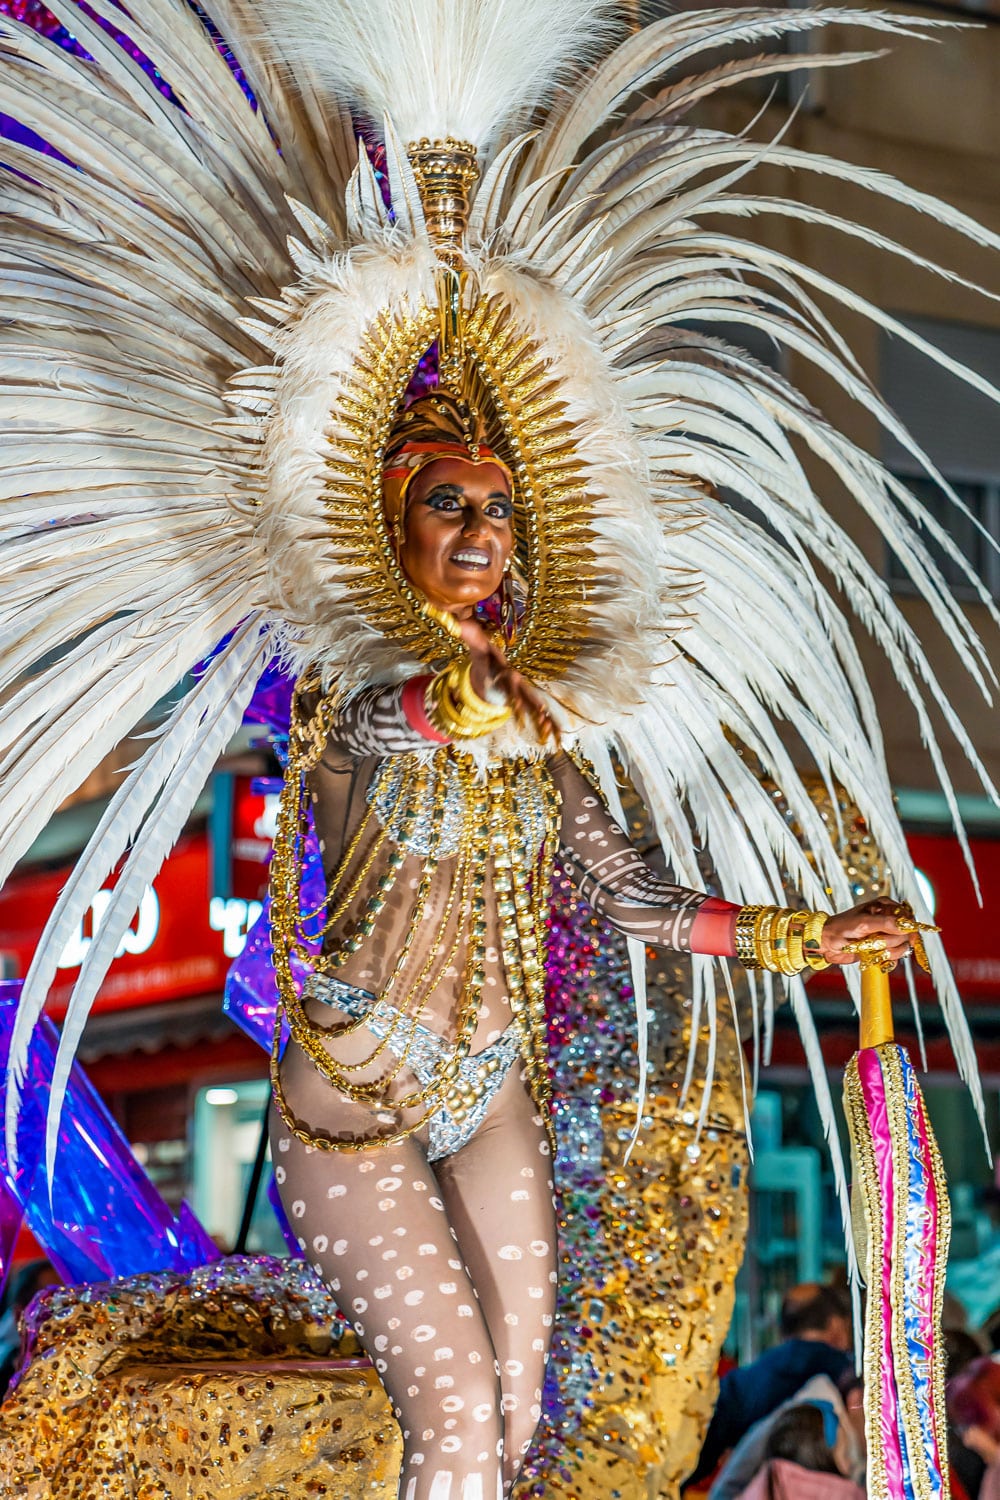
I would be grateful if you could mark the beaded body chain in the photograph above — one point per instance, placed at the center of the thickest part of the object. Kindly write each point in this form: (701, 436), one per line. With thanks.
(424, 806)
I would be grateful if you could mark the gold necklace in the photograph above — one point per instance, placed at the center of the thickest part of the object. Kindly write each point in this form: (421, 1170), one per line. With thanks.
(490, 835)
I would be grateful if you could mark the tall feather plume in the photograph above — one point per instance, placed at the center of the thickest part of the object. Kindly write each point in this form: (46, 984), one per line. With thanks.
(767, 643)
(471, 69)
(146, 815)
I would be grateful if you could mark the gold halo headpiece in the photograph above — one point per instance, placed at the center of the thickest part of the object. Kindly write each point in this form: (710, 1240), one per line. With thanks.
(509, 410)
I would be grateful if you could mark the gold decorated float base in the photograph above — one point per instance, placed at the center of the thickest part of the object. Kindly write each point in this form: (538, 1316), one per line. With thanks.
(658, 1327)
(237, 1383)
(230, 1432)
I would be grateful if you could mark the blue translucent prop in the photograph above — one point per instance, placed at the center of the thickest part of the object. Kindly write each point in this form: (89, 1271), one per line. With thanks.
(104, 1218)
(11, 1218)
(251, 996)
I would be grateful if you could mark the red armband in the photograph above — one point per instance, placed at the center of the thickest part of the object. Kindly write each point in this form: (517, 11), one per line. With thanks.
(413, 704)
(713, 930)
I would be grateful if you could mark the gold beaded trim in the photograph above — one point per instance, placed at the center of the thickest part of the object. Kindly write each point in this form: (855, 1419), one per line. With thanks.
(489, 834)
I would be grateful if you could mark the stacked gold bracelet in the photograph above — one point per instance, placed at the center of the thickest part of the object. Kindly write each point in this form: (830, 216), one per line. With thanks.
(780, 939)
(456, 709)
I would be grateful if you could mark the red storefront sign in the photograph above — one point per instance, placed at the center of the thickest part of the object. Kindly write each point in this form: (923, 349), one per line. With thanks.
(170, 951)
(253, 820)
(184, 935)
(971, 932)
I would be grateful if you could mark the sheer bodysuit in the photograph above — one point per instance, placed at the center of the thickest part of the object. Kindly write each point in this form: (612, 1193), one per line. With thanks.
(441, 1248)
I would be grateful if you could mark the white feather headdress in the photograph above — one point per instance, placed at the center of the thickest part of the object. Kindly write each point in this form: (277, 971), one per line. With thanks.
(220, 258)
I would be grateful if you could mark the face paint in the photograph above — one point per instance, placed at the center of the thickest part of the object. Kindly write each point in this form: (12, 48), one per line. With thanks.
(457, 531)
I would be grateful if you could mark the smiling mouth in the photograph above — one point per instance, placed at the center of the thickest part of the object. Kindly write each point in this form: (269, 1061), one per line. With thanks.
(473, 559)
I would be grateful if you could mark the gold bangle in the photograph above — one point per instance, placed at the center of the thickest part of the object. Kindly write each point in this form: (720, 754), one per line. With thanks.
(746, 948)
(812, 934)
(779, 940)
(470, 706)
(796, 955)
(762, 939)
(456, 709)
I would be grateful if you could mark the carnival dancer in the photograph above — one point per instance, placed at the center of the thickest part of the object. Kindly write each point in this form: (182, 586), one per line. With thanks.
(411, 1105)
(214, 332)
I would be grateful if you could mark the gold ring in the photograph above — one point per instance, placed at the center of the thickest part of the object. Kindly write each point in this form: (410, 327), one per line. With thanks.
(873, 946)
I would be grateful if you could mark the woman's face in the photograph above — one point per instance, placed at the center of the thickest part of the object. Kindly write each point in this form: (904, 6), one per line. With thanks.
(458, 532)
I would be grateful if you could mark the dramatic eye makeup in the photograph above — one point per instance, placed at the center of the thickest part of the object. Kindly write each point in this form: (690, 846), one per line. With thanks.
(499, 505)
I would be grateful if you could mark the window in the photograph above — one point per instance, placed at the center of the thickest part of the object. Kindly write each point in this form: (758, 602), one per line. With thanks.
(983, 501)
(228, 1120)
(959, 429)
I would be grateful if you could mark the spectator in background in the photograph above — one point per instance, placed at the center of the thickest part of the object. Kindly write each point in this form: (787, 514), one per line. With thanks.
(799, 1461)
(961, 1348)
(816, 1340)
(991, 1330)
(974, 1412)
(23, 1285)
(840, 1407)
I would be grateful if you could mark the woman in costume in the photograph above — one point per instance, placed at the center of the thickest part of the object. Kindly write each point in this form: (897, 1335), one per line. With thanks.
(412, 1103)
(211, 317)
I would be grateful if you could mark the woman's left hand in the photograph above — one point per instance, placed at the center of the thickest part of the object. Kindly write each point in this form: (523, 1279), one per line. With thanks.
(880, 922)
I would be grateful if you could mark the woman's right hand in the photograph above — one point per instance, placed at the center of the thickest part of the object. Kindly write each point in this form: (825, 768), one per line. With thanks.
(491, 672)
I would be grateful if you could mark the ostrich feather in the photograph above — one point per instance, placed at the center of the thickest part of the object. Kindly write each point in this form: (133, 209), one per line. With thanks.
(469, 69)
(69, 743)
(668, 44)
(171, 774)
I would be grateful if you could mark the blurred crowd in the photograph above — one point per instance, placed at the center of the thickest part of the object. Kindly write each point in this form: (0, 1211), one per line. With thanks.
(790, 1425)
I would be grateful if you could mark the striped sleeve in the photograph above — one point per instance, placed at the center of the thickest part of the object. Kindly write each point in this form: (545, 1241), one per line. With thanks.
(615, 880)
(386, 720)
